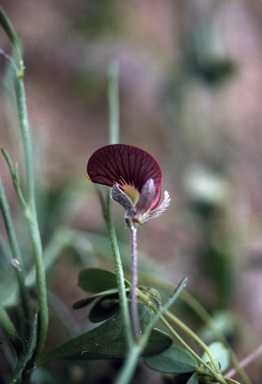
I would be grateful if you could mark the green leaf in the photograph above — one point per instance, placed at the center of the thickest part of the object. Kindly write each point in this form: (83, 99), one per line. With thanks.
(97, 280)
(158, 342)
(108, 341)
(88, 300)
(173, 360)
(220, 355)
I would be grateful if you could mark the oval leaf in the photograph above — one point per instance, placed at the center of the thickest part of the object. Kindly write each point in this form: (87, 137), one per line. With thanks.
(173, 360)
(158, 341)
(97, 280)
(108, 341)
(220, 355)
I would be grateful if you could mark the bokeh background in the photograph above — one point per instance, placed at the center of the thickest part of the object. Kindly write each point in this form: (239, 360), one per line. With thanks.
(190, 87)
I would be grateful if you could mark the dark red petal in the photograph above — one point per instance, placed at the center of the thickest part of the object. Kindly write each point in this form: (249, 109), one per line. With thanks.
(121, 163)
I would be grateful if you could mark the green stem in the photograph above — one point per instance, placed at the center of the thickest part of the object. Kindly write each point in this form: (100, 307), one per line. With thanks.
(113, 100)
(158, 312)
(126, 373)
(30, 207)
(219, 378)
(16, 180)
(135, 352)
(119, 274)
(192, 334)
(37, 249)
(9, 329)
(9, 226)
(164, 310)
(22, 365)
(31, 216)
(20, 275)
(62, 239)
(11, 33)
(25, 130)
(203, 314)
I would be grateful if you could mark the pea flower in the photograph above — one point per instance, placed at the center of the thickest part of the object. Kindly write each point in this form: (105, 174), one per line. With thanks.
(134, 177)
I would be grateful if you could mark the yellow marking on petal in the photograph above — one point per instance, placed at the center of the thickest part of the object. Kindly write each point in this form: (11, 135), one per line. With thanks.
(131, 192)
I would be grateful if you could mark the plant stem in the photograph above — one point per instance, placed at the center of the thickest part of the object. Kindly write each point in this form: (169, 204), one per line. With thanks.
(219, 378)
(126, 373)
(158, 312)
(25, 131)
(21, 367)
(119, 273)
(29, 207)
(31, 216)
(203, 314)
(163, 310)
(190, 333)
(9, 329)
(11, 33)
(16, 180)
(113, 101)
(9, 226)
(134, 280)
(20, 275)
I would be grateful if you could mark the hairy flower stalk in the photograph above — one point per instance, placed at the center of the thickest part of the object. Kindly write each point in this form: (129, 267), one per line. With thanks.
(135, 180)
(134, 281)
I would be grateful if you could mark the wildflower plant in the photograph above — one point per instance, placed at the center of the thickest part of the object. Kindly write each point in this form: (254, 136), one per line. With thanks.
(135, 180)
(126, 313)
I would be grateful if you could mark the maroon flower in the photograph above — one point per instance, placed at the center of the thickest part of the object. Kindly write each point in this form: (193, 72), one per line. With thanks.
(135, 178)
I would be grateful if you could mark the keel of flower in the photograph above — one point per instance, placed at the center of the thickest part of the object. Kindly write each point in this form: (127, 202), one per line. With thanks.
(136, 210)
(137, 214)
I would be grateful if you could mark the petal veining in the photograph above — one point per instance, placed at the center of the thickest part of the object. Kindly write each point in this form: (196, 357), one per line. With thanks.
(128, 166)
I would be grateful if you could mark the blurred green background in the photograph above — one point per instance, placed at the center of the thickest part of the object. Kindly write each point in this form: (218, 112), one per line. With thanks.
(190, 78)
